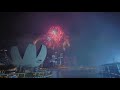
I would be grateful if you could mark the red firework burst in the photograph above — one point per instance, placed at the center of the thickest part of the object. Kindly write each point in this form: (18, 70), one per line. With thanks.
(55, 37)
(56, 34)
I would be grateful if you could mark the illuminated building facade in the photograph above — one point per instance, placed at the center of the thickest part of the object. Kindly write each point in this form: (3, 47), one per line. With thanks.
(111, 70)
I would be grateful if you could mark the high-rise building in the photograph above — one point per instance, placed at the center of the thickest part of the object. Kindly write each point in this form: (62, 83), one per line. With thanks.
(61, 62)
(4, 57)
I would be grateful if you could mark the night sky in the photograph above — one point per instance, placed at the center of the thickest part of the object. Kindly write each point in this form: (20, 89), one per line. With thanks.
(94, 36)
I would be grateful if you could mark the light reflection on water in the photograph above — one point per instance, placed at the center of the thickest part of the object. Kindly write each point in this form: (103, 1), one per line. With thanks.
(75, 74)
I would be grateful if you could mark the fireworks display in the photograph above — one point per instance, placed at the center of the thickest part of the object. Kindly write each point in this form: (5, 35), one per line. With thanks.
(54, 38)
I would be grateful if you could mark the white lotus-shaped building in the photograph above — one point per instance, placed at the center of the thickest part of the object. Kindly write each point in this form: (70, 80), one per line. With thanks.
(30, 58)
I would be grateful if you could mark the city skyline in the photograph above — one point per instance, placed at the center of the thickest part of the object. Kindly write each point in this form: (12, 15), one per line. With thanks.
(94, 36)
